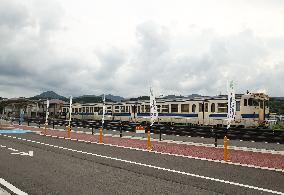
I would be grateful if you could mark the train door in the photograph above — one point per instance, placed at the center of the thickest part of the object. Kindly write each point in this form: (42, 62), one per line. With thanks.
(133, 111)
(261, 114)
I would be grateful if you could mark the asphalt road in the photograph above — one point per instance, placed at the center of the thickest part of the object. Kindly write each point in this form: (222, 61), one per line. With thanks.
(77, 168)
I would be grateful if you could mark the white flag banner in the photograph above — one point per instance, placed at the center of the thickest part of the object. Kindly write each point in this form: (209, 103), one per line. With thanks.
(104, 108)
(70, 110)
(22, 114)
(47, 111)
(153, 107)
(231, 104)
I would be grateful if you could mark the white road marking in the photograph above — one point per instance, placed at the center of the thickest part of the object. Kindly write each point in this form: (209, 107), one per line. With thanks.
(11, 187)
(166, 169)
(184, 156)
(30, 153)
(15, 151)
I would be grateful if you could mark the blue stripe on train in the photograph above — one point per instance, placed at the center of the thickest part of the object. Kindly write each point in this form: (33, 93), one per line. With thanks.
(175, 115)
(243, 115)
(121, 114)
(250, 115)
(169, 114)
(90, 113)
(217, 115)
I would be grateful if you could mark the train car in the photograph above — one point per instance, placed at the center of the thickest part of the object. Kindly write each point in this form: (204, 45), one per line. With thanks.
(251, 110)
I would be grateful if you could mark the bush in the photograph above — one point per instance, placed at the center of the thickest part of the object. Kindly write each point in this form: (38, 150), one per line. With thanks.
(278, 127)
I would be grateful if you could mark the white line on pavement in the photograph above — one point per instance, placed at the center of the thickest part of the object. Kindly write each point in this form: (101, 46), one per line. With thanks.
(165, 169)
(11, 187)
(172, 154)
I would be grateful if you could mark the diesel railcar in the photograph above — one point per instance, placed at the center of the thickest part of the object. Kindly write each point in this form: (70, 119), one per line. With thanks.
(251, 110)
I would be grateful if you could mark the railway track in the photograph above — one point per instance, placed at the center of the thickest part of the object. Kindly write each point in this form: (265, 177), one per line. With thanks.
(245, 134)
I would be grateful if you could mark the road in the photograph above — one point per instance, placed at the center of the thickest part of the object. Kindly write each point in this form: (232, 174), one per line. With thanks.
(61, 166)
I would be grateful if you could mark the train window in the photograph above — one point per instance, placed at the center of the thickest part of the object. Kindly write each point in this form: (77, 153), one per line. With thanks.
(255, 102)
(213, 107)
(76, 110)
(193, 107)
(73, 110)
(174, 108)
(238, 105)
(222, 107)
(165, 108)
(147, 108)
(142, 108)
(200, 107)
(159, 108)
(64, 109)
(245, 102)
(122, 108)
(83, 109)
(185, 108)
(80, 109)
(87, 109)
(116, 107)
(250, 102)
(91, 109)
(126, 108)
(206, 107)
(261, 104)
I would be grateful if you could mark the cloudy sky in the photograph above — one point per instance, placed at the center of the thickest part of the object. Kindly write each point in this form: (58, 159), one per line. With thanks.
(76, 47)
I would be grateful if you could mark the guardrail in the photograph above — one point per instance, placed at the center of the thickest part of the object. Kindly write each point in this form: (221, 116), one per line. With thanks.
(259, 135)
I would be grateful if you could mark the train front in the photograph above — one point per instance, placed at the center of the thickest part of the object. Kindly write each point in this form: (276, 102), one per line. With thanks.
(255, 109)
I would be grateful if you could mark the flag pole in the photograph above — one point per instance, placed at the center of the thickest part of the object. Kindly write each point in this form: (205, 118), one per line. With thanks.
(46, 116)
(231, 114)
(103, 120)
(153, 116)
(70, 117)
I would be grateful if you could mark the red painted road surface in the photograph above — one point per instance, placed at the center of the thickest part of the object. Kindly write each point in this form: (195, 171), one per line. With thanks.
(235, 156)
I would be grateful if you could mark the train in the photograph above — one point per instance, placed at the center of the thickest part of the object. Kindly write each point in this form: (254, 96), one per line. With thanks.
(252, 110)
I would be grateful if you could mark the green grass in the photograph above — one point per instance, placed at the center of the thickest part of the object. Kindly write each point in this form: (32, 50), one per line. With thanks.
(278, 127)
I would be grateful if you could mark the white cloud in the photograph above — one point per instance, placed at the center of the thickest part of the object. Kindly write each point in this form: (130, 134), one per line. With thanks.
(123, 47)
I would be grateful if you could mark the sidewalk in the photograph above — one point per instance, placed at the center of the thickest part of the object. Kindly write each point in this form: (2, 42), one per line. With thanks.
(255, 159)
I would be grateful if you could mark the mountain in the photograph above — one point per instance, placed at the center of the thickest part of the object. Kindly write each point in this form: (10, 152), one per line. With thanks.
(89, 99)
(113, 98)
(278, 98)
(276, 105)
(80, 99)
(194, 95)
(173, 96)
(49, 95)
(97, 99)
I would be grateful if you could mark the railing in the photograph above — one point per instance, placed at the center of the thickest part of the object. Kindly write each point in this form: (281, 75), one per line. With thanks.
(189, 129)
